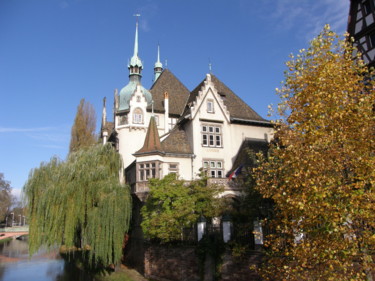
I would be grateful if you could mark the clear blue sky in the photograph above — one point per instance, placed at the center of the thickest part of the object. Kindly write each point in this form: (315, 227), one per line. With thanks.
(55, 52)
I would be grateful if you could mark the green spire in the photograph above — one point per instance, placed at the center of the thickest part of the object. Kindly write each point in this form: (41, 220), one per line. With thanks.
(135, 65)
(158, 68)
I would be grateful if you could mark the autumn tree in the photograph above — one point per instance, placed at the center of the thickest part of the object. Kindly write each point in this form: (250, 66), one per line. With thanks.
(83, 130)
(174, 204)
(80, 204)
(6, 197)
(320, 173)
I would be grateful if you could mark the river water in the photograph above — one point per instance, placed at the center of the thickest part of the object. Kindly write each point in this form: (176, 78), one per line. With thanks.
(15, 265)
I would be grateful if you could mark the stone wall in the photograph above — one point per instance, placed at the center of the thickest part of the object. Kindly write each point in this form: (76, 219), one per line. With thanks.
(167, 263)
(181, 263)
(238, 269)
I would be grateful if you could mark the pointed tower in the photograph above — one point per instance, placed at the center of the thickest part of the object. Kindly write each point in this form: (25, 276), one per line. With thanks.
(152, 141)
(158, 68)
(135, 66)
(132, 116)
(135, 74)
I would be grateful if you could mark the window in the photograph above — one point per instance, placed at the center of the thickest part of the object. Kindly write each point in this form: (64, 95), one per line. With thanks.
(172, 123)
(147, 171)
(372, 40)
(138, 116)
(173, 168)
(367, 7)
(138, 99)
(211, 136)
(210, 106)
(123, 120)
(213, 168)
(157, 120)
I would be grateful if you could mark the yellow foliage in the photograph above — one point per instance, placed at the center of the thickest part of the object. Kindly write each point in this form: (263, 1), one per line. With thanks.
(320, 172)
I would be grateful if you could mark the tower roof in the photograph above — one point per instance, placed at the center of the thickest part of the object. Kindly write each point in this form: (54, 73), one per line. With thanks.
(158, 64)
(135, 68)
(152, 140)
(135, 60)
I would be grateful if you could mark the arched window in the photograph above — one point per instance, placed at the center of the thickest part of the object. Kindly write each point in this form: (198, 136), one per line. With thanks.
(138, 116)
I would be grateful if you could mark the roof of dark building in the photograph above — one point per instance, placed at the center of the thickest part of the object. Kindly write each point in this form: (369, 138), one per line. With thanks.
(247, 151)
(176, 142)
(178, 93)
(236, 106)
(109, 127)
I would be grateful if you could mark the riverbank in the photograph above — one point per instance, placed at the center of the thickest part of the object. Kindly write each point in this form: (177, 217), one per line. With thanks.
(122, 274)
(4, 239)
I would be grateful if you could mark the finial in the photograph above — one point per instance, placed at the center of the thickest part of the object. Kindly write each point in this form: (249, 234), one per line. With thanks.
(158, 68)
(166, 64)
(152, 107)
(209, 65)
(158, 53)
(136, 36)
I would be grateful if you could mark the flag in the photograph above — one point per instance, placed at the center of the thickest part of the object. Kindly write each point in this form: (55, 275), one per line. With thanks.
(236, 172)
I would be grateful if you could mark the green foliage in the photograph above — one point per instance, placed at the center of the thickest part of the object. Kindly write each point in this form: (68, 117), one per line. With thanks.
(320, 172)
(80, 203)
(6, 197)
(83, 130)
(175, 204)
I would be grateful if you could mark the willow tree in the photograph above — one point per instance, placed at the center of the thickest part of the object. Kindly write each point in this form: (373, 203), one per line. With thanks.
(320, 173)
(80, 204)
(83, 130)
(6, 198)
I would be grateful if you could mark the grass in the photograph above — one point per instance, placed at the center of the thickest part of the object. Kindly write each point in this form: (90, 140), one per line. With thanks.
(122, 274)
(5, 240)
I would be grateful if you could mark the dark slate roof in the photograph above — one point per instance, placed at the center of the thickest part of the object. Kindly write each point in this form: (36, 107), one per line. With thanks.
(178, 93)
(243, 157)
(177, 142)
(236, 106)
(109, 127)
(152, 140)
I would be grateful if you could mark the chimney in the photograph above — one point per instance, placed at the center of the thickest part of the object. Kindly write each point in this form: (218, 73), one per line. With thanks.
(166, 108)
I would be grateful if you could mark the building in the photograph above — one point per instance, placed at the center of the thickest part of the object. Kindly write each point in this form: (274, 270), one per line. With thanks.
(361, 26)
(169, 129)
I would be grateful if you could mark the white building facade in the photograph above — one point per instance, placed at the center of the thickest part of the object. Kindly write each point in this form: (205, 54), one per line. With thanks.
(169, 129)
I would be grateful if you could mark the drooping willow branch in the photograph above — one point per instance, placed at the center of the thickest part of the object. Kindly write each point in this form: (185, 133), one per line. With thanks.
(80, 203)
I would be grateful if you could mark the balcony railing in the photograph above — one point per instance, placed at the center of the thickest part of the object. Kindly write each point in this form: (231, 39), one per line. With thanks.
(226, 183)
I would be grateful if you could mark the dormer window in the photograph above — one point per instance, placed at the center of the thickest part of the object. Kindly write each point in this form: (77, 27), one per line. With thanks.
(137, 116)
(210, 106)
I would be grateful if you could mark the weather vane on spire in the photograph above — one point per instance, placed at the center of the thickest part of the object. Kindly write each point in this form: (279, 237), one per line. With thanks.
(137, 15)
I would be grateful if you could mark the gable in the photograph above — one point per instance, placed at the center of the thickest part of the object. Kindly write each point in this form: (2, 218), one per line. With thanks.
(208, 104)
(236, 107)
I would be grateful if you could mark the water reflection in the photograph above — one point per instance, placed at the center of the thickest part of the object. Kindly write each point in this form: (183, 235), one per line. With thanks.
(15, 265)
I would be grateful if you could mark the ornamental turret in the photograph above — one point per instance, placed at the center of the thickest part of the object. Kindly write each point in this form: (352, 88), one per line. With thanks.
(158, 68)
(135, 66)
(135, 69)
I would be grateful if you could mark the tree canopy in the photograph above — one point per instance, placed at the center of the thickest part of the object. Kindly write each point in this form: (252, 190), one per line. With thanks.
(80, 203)
(83, 130)
(6, 198)
(174, 204)
(320, 171)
